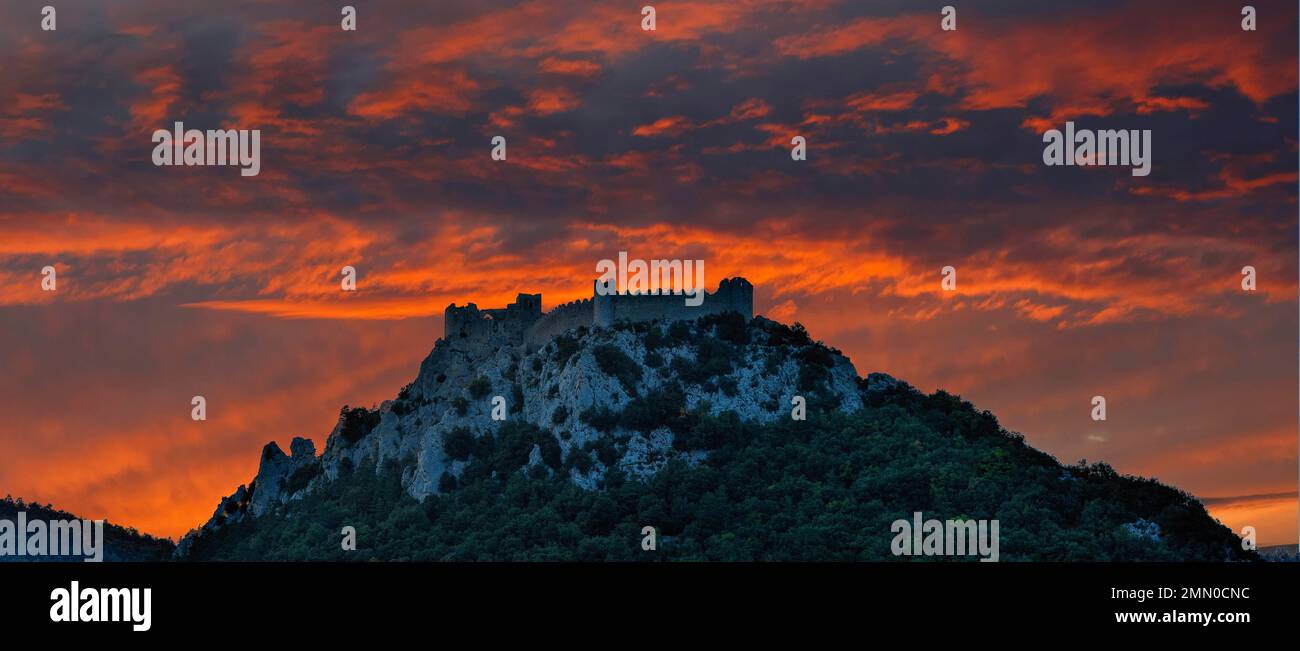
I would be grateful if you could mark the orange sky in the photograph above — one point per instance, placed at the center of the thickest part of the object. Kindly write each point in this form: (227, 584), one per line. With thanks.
(924, 152)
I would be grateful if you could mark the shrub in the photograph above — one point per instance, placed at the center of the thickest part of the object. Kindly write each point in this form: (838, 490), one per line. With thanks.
(606, 451)
(618, 364)
(458, 443)
(602, 418)
(665, 407)
(565, 347)
(560, 414)
(407, 402)
(514, 443)
(814, 364)
(461, 406)
(780, 334)
(654, 338)
(580, 460)
(817, 354)
(711, 433)
(680, 330)
(550, 449)
(301, 477)
(357, 422)
(729, 326)
(811, 375)
(480, 387)
(713, 358)
(509, 450)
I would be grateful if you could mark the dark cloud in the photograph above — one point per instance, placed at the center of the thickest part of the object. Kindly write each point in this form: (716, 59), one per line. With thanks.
(925, 151)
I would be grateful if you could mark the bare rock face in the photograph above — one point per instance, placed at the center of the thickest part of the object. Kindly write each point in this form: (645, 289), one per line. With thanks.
(276, 470)
(554, 386)
(574, 387)
(272, 486)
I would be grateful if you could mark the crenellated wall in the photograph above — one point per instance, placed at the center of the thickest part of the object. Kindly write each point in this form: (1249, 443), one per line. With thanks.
(470, 324)
(562, 318)
(523, 322)
(733, 295)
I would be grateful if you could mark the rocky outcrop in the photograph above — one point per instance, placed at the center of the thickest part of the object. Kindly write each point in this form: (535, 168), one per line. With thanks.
(572, 387)
(273, 485)
(276, 471)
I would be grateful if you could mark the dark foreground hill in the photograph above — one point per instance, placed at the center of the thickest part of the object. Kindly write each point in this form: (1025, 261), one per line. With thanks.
(686, 428)
(121, 543)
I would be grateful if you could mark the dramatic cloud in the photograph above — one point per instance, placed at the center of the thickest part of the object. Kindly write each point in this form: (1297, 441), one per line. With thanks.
(924, 151)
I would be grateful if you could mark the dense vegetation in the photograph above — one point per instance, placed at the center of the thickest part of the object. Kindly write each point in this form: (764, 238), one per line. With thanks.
(616, 363)
(357, 422)
(823, 489)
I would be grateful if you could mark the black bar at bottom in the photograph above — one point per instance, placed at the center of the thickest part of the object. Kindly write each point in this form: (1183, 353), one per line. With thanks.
(309, 600)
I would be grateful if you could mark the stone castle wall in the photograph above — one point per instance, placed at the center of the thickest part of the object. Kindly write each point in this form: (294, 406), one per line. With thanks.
(472, 325)
(733, 295)
(523, 322)
(560, 319)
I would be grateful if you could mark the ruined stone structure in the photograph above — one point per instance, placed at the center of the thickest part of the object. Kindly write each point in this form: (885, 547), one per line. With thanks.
(523, 321)
(509, 323)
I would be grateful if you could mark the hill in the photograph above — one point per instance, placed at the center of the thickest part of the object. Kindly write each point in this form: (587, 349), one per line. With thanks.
(120, 543)
(685, 427)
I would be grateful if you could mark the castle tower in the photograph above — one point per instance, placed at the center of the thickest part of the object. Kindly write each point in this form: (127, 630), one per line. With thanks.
(526, 308)
(736, 294)
(602, 306)
(458, 321)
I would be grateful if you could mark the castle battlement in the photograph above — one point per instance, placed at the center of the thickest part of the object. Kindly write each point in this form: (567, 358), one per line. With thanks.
(523, 322)
(509, 323)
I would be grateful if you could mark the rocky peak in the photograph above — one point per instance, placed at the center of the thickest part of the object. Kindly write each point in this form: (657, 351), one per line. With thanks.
(600, 397)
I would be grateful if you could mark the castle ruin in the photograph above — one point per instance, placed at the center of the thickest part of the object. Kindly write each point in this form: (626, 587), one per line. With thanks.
(523, 321)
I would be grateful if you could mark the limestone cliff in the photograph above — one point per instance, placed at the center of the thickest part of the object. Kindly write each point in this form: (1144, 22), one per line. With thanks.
(574, 385)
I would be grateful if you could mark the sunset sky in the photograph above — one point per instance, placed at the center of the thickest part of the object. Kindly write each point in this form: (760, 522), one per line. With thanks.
(924, 150)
